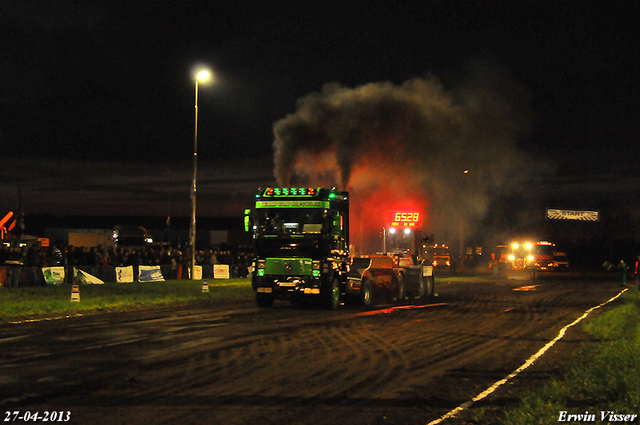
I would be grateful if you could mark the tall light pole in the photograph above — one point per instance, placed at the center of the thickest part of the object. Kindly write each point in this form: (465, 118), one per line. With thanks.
(201, 76)
(463, 250)
(384, 240)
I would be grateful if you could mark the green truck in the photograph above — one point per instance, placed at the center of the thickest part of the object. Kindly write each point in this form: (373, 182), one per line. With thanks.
(301, 253)
(301, 244)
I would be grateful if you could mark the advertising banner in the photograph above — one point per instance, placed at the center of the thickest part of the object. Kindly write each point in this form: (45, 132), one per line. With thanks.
(197, 273)
(124, 274)
(53, 275)
(150, 274)
(221, 271)
(86, 278)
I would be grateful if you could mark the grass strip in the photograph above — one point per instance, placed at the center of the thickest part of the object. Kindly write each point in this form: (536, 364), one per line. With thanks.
(47, 301)
(601, 377)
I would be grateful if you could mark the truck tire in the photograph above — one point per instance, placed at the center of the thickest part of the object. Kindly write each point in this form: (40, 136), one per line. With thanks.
(331, 295)
(422, 288)
(426, 288)
(431, 287)
(367, 293)
(402, 289)
(264, 300)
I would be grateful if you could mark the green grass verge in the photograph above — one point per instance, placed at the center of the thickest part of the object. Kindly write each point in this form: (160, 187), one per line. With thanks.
(602, 375)
(34, 302)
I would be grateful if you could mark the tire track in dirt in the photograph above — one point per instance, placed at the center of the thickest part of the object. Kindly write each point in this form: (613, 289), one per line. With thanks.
(332, 360)
(293, 365)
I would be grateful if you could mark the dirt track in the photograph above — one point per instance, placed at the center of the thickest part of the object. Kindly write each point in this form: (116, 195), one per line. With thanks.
(288, 365)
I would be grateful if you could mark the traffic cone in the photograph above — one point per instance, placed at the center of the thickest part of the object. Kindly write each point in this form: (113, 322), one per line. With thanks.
(75, 293)
(205, 286)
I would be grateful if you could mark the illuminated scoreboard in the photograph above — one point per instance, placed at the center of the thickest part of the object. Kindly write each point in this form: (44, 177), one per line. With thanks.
(406, 219)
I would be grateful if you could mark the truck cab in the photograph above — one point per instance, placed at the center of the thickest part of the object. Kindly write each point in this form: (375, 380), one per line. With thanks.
(560, 261)
(301, 245)
(441, 257)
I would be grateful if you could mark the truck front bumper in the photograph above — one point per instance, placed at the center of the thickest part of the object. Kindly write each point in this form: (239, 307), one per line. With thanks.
(287, 286)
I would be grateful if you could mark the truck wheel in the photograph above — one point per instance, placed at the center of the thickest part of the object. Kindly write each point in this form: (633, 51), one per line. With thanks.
(367, 293)
(431, 286)
(264, 300)
(402, 290)
(331, 296)
(422, 288)
(426, 288)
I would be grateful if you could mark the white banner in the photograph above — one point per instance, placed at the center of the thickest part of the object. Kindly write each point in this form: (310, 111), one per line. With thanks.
(555, 214)
(150, 274)
(197, 274)
(124, 274)
(86, 278)
(221, 271)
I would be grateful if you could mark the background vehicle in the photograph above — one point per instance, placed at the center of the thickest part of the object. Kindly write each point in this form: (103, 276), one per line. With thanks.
(441, 257)
(542, 252)
(499, 258)
(131, 236)
(372, 279)
(416, 275)
(520, 257)
(536, 257)
(380, 278)
(560, 261)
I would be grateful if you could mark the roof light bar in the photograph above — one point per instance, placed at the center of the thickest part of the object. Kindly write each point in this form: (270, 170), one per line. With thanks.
(291, 191)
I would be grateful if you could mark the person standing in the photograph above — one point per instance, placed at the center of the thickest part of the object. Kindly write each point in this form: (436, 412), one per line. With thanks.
(622, 270)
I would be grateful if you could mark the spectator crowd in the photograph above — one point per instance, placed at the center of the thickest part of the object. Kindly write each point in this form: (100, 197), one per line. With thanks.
(113, 256)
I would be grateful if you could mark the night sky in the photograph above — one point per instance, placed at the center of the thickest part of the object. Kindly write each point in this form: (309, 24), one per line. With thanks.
(96, 97)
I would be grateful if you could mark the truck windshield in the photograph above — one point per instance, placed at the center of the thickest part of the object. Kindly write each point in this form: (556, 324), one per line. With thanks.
(290, 222)
(544, 250)
(441, 252)
(293, 232)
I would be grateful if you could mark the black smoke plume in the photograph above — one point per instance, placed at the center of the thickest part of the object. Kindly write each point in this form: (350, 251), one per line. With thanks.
(414, 140)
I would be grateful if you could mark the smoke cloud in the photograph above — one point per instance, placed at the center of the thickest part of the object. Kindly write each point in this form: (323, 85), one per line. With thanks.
(408, 146)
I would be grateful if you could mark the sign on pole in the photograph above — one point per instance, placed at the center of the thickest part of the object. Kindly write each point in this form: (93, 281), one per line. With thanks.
(577, 215)
(405, 219)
